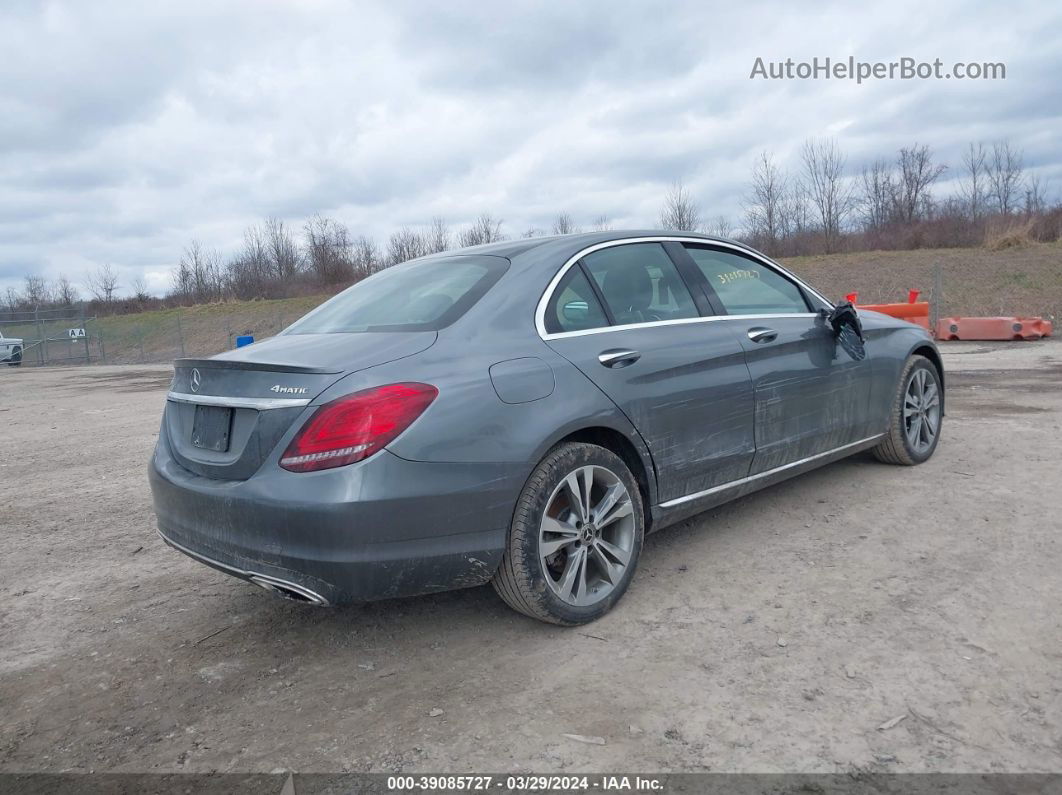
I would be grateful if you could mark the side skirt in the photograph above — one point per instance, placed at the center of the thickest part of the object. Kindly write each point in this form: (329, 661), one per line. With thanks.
(680, 508)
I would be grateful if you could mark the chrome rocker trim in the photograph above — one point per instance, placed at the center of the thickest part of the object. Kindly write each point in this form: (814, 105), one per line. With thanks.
(735, 483)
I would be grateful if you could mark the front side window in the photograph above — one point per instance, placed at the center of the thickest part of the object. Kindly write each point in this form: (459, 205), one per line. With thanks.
(745, 286)
(640, 283)
(422, 295)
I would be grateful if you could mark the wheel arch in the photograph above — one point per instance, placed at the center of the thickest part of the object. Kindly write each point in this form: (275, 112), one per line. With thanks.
(930, 352)
(643, 471)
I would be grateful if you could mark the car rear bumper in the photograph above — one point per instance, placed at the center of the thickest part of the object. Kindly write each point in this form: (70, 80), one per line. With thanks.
(383, 528)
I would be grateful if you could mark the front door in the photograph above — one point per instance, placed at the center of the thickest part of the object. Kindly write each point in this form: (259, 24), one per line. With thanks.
(811, 396)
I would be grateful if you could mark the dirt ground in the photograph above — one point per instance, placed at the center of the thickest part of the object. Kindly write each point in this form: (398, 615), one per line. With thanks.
(862, 617)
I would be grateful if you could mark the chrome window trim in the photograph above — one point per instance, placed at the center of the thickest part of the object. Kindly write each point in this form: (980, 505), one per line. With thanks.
(742, 481)
(262, 404)
(679, 322)
(543, 303)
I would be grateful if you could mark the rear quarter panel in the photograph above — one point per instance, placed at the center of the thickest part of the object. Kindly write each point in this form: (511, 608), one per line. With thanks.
(470, 423)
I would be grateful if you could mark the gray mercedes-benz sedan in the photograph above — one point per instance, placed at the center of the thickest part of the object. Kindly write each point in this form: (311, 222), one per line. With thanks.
(522, 413)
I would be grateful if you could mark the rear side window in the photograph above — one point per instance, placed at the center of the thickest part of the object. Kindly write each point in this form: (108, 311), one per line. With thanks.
(415, 296)
(640, 283)
(747, 287)
(574, 306)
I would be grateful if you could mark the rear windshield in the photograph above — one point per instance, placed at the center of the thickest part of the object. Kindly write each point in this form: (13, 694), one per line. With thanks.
(414, 296)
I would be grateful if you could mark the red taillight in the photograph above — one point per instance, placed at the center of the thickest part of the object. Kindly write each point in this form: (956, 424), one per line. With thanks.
(354, 427)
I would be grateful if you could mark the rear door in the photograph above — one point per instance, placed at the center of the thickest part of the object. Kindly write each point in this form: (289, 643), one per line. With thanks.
(810, 396)
(626, 317)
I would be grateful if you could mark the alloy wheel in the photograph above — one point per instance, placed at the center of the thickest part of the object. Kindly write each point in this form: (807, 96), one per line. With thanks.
(586, 536)
(921, 410)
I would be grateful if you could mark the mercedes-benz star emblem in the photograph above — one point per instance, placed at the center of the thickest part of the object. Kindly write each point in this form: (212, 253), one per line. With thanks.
(196, 379)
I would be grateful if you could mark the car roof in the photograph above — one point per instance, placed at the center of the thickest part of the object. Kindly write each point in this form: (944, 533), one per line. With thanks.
(514, 248)
(566, 246)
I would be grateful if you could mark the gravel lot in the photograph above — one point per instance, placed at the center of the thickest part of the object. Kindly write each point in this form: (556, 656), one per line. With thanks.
(786, 632)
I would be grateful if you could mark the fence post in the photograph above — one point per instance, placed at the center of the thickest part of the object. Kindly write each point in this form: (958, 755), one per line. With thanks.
(84, 324)
(99, 338)
(140, 339)
(180, 333)
(938, 297)
(41, 344)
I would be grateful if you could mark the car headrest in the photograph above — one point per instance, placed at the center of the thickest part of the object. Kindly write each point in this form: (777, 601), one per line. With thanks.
(628, 288)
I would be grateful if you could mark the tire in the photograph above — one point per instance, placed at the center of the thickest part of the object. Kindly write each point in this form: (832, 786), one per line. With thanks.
(903, 445)
(16, 358)
(558, 568)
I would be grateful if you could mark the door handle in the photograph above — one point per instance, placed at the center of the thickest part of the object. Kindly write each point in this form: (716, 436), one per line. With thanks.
(618, 357)
(761, 334)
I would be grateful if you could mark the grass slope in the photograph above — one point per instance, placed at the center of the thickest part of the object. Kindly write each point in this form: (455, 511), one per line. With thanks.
(975, 281)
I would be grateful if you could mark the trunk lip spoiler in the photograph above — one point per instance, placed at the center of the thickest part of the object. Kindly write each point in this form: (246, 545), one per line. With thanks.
(228, 364)
(261, 404)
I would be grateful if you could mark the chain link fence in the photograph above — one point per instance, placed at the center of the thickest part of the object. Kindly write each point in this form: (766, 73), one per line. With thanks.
(171, 334)
(50, 337)
(68, 337)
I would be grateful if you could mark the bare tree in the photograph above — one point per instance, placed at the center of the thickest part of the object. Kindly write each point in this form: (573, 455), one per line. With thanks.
(831, 196)
(283, 250)
(367, 259)
(1035, 198)
(916, 173)
(438, 237)
(974, 187)
(405, 244)
(249, 274)
(720, 226)
(797, 217)
(531, 231)
(1005, 175)
(765, 205)
(329, 250)
(564, 225)
(602, 224)
(38, 292)
(255, 252)
(102, 283)
(680, 210)
(65, 293)
(140, 291)
(876, 200)
(198, 275)
(485, 229)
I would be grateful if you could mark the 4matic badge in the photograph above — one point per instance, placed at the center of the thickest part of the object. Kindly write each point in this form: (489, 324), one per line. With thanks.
(288, 390)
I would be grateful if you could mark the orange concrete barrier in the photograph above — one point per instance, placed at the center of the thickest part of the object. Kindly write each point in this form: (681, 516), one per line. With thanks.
(993, 328)
(917, 313)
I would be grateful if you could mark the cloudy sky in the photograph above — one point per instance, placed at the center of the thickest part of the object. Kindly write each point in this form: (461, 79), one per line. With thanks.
(128, 129)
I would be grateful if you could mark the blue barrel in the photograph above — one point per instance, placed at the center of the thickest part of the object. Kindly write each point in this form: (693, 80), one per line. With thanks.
(246, 339)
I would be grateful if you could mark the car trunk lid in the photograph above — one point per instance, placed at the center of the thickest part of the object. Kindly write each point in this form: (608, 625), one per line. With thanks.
(224, 415)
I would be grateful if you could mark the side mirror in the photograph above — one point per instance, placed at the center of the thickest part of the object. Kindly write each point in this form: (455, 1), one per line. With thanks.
(576, 311)
(848, 329)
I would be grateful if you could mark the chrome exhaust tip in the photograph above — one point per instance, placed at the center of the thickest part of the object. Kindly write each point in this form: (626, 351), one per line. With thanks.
(289, 590)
